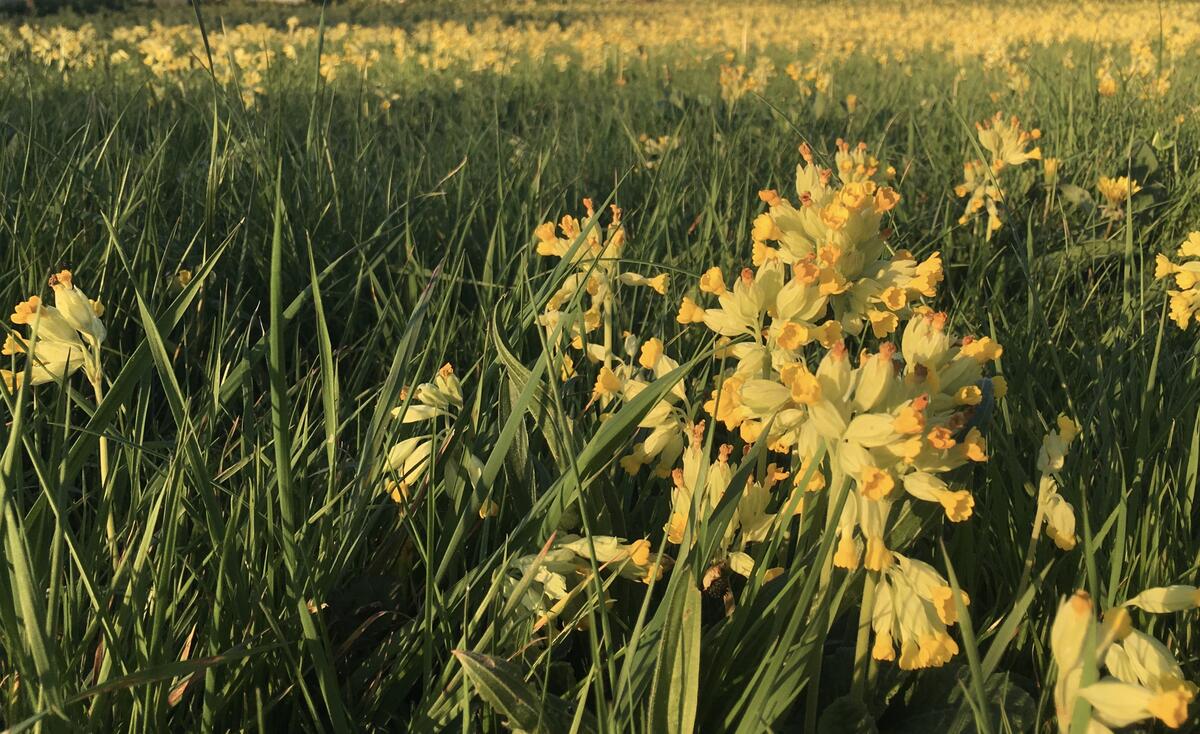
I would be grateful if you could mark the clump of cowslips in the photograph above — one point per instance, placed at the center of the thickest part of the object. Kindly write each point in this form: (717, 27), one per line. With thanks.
(62, 338)
(436, 404)
(699, 486)
(1144, 680)
(914, 606)
(826, 252)
(561, 576)
(1116, 193)
(625, 368)
(1008, 147)
(893, 426)
(597, 263)
(1185, 298)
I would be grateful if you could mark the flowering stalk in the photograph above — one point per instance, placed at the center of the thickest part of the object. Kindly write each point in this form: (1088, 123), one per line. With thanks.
(862, 655)
(1052, 510)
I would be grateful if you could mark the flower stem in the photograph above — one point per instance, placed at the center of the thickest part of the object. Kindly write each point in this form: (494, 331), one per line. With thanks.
(814, 679)
(1036, 533)
(859, 685)
(110, 528)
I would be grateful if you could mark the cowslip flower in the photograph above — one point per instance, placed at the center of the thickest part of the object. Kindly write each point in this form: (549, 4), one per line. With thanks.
(836, 248)
(1008, 144)
(914, 607)
(890, 426)
(62, 338)
(983, 195)
(1185, 297)
(558, 578)
(1116, 192)
(1054, 512)
(409, 460)
(1162, 599)
(1145, 680)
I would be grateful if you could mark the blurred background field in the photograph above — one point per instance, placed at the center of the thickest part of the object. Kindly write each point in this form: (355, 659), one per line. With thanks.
(401, 156)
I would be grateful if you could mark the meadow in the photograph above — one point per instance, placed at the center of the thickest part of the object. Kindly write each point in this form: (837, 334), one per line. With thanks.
(597, 367)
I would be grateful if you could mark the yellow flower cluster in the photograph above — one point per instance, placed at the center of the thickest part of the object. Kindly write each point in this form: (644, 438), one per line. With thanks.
(409, 461)
(560, 576)
(1145, 680)
(1008, 147)
(1053, 510)
(1001, 36)
(1185, 299)
(62, 338)
(1116, 192)
(595, 254)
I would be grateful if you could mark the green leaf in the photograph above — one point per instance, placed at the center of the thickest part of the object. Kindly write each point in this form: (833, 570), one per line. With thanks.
(676, 689)
(847, 714)
(501, 684)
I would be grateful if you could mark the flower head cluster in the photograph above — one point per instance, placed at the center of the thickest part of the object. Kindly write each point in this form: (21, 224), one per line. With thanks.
(1053, 510)
(1116, 192)
(595, 253)
(654, 149)
(62, 338)
(560, 577)
(1007, 145)
(1185, 297)
(826, 252)
(436, 404)
(699, 486)
(628, 368)
(737, 81)
(1145, 680)
(914, 606)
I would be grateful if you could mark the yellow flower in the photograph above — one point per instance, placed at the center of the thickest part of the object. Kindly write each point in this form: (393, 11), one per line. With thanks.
(712, 281)
(652, 351)
(1107, 86)
(1116, 192)
(1167, 599)
(875, 484)
(607, 383)
(981, 350)
(1050, 171)
(658, 283)
(76, 308)
(882, 322)
(968, 395)
(690, 312)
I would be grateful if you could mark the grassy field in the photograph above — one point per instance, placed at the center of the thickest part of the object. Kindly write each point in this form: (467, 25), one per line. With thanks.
(353, 440)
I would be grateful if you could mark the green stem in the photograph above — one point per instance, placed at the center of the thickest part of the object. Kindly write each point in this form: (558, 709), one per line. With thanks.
(813, 697)
(1031, 549)
(110, 526)
(859, 687)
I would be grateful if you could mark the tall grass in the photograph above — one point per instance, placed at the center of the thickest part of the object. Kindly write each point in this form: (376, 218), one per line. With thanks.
(260, 578)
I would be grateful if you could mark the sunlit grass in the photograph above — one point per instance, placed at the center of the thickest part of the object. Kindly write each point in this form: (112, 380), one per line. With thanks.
(346, 237)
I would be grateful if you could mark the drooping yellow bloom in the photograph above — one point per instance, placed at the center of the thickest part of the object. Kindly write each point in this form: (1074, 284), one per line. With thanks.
(1008, 144)
(1185, 297)
(1145, 681)
(55, 345)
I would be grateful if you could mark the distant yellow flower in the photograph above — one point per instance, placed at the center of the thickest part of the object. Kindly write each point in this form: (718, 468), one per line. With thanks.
(1107, 86)
(1116, 192)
